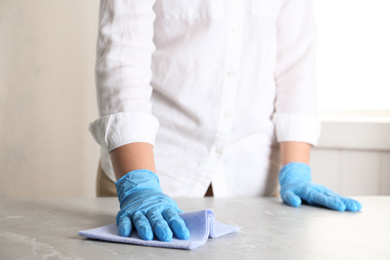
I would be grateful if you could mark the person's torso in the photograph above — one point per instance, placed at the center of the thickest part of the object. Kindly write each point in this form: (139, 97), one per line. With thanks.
(214, 90)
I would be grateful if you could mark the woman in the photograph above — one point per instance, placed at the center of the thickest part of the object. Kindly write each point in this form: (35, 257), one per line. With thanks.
(202, 93)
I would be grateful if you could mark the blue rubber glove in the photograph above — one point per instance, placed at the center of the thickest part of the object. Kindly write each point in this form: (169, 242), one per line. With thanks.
(296, 185)
(144, 206)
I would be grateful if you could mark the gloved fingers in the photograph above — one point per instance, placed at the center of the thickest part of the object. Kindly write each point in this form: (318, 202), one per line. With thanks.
(142, 225)
(159, 225)
(124, 226)
(324, 200)
(176, 223)
(291, 199)
(351, 204)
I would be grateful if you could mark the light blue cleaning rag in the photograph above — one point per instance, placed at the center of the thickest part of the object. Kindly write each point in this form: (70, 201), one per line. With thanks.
(202, 225)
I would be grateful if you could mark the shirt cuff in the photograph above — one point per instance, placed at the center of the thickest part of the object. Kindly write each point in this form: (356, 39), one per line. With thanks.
(118, 129)
(297, 128)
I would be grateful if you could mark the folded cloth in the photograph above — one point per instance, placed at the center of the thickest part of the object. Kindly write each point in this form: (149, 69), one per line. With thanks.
(202, 225)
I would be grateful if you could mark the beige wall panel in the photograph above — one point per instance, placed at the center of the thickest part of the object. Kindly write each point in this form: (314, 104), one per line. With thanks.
(326, 168)
(360, 173)
(385, 173)
(47, 98)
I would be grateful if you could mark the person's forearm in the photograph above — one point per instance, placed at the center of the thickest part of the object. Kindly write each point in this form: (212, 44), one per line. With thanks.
(295, 152)
(130, 157)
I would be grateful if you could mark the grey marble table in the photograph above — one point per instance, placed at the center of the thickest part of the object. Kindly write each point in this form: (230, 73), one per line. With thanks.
(47, 229)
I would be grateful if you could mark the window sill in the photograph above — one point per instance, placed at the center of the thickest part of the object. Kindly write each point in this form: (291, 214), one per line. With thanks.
(355, 130)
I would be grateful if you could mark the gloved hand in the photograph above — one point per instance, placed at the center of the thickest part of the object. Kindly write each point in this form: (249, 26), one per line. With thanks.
(144, 205)
(296, 185)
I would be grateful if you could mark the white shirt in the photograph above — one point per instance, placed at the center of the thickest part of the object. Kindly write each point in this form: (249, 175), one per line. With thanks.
(212, 84)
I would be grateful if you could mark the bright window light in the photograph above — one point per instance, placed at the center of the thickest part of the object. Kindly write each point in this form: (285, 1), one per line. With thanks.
(353, 54)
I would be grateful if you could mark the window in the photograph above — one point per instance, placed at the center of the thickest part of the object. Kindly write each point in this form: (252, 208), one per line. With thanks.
(353, 57)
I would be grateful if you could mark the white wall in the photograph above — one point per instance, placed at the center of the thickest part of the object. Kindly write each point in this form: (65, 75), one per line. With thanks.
(47, 98)
(353, 158)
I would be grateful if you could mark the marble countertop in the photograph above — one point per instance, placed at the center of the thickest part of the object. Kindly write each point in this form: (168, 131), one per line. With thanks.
(47, 229)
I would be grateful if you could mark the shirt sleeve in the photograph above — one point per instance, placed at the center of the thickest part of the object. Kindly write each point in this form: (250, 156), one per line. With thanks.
(123, 74)
(295, 115)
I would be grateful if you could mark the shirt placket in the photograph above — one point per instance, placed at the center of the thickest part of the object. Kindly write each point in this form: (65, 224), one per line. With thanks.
(232, 61)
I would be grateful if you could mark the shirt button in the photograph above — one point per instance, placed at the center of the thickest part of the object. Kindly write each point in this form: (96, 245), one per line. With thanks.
(219, 151)
(234, 30)
(231, 74)
(227, 115)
